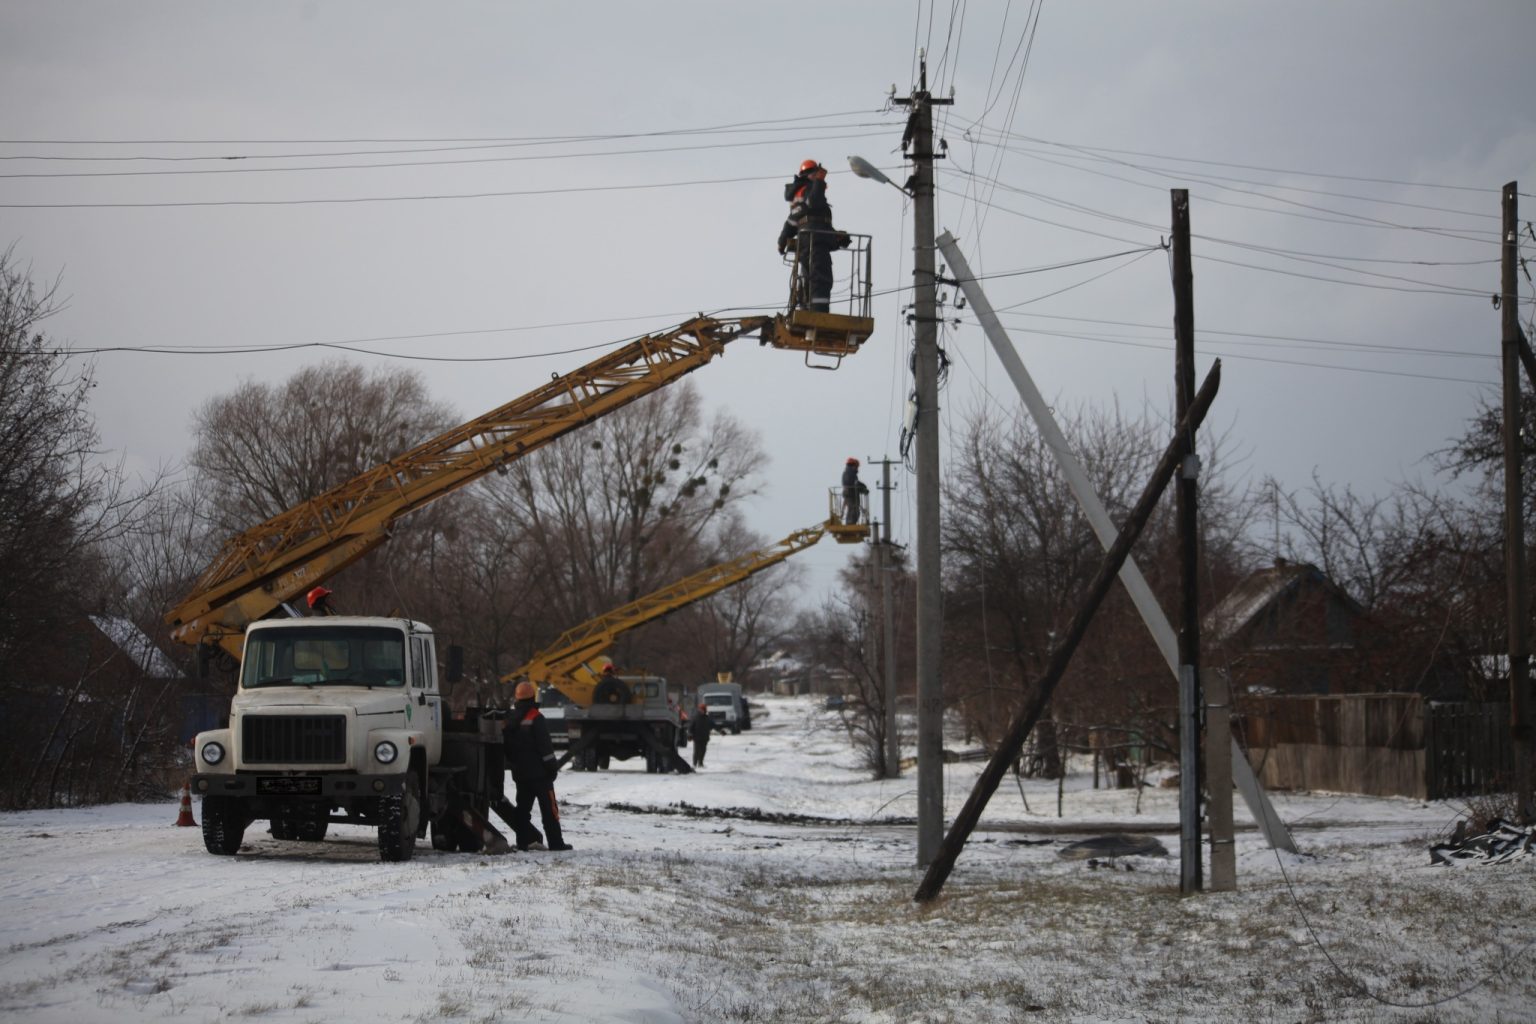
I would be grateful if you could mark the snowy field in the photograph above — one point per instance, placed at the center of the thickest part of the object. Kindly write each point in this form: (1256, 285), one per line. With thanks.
(112, 914)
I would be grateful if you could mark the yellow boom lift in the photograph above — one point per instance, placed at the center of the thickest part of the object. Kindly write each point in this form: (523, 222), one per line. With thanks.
(258, 572)
(623, 717)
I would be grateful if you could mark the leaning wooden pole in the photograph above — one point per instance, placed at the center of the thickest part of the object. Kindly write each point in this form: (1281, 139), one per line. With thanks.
(1109, 569)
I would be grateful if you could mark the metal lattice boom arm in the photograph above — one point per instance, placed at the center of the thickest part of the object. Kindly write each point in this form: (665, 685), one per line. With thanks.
(559, 664)
(281, 559)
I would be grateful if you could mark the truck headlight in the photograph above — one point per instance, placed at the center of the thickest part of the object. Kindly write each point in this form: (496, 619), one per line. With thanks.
(386, 752)
(213, 753)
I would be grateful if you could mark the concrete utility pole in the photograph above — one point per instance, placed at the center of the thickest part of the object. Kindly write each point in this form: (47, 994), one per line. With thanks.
(918, 142)
(884, 566)
(1521, 729)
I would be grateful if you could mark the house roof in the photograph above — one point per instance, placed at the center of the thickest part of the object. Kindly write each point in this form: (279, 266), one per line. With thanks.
(139, 649)
(1258, 592)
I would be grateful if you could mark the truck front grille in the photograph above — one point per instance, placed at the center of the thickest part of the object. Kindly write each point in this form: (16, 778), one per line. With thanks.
(294, 739)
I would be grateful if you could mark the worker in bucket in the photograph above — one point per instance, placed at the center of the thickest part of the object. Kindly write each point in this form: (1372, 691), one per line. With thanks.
(853, 492)
(809, 229)
(531, 756)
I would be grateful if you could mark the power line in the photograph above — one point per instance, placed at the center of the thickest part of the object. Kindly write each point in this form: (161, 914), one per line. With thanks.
(1165, 348)
(518, 140)
(43, 175)
(1298, 339)
(425, 197)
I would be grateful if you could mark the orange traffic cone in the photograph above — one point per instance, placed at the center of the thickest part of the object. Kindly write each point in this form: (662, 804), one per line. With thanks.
(185, 817)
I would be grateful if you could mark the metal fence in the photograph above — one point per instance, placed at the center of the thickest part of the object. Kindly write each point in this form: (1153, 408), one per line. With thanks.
(1468, 749)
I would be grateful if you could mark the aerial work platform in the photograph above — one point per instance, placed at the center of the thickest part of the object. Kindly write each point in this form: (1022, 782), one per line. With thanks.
(847, 322)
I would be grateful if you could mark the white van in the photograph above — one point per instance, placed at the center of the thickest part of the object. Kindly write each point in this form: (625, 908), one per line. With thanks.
(726, 705)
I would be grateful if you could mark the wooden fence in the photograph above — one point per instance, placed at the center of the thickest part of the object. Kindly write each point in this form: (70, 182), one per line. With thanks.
(1381, 744)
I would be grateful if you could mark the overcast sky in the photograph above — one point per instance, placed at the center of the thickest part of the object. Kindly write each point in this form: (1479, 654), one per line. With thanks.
(1344, 162)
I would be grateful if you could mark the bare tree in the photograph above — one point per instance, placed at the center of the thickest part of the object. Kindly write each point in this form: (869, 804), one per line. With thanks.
(1019, 551)
(640, 498)
(262, 449)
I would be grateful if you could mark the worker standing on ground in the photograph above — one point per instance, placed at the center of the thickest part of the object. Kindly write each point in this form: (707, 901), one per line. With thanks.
(531, 756)
(853, 492)
(700, 727)
(809, 227)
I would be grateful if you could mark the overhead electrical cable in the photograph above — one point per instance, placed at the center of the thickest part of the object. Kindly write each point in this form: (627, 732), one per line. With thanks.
(425, 197)
(520, 140)
(39, 175)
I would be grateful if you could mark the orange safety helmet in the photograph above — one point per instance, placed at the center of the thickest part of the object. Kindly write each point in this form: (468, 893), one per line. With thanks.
(524, 691)
(317, 595)
(852, 461)
(809, 165)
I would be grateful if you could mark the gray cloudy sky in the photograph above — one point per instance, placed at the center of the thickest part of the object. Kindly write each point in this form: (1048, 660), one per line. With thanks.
(1344, 161)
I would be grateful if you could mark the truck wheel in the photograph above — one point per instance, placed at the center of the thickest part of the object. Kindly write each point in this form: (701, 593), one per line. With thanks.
(399, 814)
(283, 828)
(224, 824)
(735, 730)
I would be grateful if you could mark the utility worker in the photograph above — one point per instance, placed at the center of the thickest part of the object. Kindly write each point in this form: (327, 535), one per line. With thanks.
(809, 228)
(531, 756)
(319, 600)
(700, 727)
(853, 489)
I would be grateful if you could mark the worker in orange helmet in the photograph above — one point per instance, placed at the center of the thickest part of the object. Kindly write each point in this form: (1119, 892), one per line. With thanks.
(809, 228)
(531, 755)
(853, 492)
(319, 601)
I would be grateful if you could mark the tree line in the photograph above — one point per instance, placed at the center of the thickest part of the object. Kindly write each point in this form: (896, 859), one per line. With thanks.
(640, 498)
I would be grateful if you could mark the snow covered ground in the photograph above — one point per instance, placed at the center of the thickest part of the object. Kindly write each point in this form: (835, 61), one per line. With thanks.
(113, 914)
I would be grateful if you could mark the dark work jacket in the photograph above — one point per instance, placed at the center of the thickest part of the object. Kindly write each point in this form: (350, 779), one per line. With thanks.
(530, 752)
(700, 725)
(808, 208)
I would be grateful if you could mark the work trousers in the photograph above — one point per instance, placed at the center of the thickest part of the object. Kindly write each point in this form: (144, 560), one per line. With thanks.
(549, 811)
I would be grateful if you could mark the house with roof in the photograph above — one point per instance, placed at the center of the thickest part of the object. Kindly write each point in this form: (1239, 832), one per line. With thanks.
(1289, 629)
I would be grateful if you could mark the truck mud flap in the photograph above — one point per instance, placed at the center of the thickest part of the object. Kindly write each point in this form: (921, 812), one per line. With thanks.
(473, 824)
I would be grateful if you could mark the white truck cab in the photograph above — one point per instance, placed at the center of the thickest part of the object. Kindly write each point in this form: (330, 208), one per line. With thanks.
(333, 714)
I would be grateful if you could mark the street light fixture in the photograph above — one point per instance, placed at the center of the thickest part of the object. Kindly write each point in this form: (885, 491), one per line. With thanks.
(864, 169)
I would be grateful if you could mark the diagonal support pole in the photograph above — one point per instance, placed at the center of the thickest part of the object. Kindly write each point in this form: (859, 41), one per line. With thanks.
(1008, 750)
(1098, 516)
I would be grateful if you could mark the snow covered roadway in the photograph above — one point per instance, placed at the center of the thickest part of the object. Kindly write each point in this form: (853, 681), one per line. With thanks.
(114, 914)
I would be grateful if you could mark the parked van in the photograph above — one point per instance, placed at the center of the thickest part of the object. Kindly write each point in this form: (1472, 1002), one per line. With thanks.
(726, 705)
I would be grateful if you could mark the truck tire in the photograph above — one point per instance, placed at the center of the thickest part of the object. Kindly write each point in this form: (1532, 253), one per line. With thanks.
(399, 815)
(224, 824)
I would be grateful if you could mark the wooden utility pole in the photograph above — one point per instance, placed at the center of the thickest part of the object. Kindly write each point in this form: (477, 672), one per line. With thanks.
(918, 142)
(884, 566)
(1522, 729)
(1188, 525)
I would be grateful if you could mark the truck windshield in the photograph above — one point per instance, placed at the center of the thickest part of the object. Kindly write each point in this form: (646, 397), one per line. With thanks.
(719, 700)
(337, 656)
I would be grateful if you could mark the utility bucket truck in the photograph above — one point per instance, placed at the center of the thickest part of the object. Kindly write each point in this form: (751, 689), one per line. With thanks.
(342, 719)
(616, 717)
